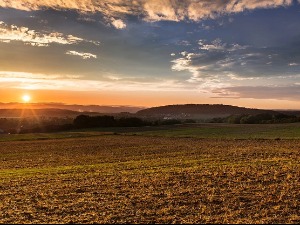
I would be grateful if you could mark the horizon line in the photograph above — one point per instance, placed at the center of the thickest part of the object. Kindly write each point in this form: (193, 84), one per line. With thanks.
(133, 106)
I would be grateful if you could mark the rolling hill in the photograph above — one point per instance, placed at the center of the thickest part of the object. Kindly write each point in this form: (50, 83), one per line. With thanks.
(198, 111)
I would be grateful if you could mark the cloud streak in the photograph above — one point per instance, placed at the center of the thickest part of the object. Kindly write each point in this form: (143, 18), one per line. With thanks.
(38, 81)
(83, 55)
(289, 92)
(31, 37)
(10, 33)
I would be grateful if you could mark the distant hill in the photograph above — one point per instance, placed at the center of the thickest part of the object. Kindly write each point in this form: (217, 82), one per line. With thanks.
(25, 113)
(79, 108)
(188, 111)
(198, 111)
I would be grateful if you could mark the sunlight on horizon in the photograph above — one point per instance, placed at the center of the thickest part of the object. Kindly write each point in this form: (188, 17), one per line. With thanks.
(26, 98)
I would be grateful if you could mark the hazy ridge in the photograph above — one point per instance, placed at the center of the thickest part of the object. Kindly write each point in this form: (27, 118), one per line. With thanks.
(200, 110)
(204, 111)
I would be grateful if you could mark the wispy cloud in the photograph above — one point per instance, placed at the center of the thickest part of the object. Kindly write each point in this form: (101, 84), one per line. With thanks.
(218, 59)
(26, 75)
(10, 33)
(83, 55)
(198, 10)
(33, 81)
(288, 92)
(24, 34)
(150, 10)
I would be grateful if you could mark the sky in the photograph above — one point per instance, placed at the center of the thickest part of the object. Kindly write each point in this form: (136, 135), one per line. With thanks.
(151, 52)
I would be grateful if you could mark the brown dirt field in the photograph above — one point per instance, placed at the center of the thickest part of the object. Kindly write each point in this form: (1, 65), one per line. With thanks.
(134, 179)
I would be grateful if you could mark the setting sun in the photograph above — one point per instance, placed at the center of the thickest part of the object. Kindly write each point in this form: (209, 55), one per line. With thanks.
(26, 98)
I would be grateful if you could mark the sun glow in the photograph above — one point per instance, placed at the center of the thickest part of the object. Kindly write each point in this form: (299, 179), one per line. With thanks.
(26, 98)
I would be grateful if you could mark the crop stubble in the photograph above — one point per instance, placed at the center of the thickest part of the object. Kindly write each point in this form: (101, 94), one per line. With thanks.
(133, 179)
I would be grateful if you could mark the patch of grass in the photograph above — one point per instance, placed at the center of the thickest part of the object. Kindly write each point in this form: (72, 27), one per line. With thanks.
(229, 131)
(206, 130)
(49, 136)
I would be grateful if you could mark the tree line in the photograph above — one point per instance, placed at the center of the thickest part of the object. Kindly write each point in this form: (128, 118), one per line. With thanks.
(262, 118)
(84, 121)
(17, 126)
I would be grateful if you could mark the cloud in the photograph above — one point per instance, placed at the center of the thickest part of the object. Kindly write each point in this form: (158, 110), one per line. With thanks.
(155, 10)
(215, 45)
(184, 43)
(25, 80)
(17, 75)
(34, 38)
(33, 81)
(198, 10)
(218, 59)
(150, 10)
(83, 55)
(119, 24)
(288, 92)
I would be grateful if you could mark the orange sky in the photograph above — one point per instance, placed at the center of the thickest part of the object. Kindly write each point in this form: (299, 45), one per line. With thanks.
(137, 98)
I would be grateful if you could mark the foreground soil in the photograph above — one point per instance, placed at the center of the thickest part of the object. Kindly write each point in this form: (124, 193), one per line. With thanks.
(134, 179)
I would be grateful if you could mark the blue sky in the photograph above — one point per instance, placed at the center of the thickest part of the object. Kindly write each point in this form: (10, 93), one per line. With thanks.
(191, 51)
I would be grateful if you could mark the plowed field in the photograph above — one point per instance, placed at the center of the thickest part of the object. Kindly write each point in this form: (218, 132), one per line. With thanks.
(136, 179)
